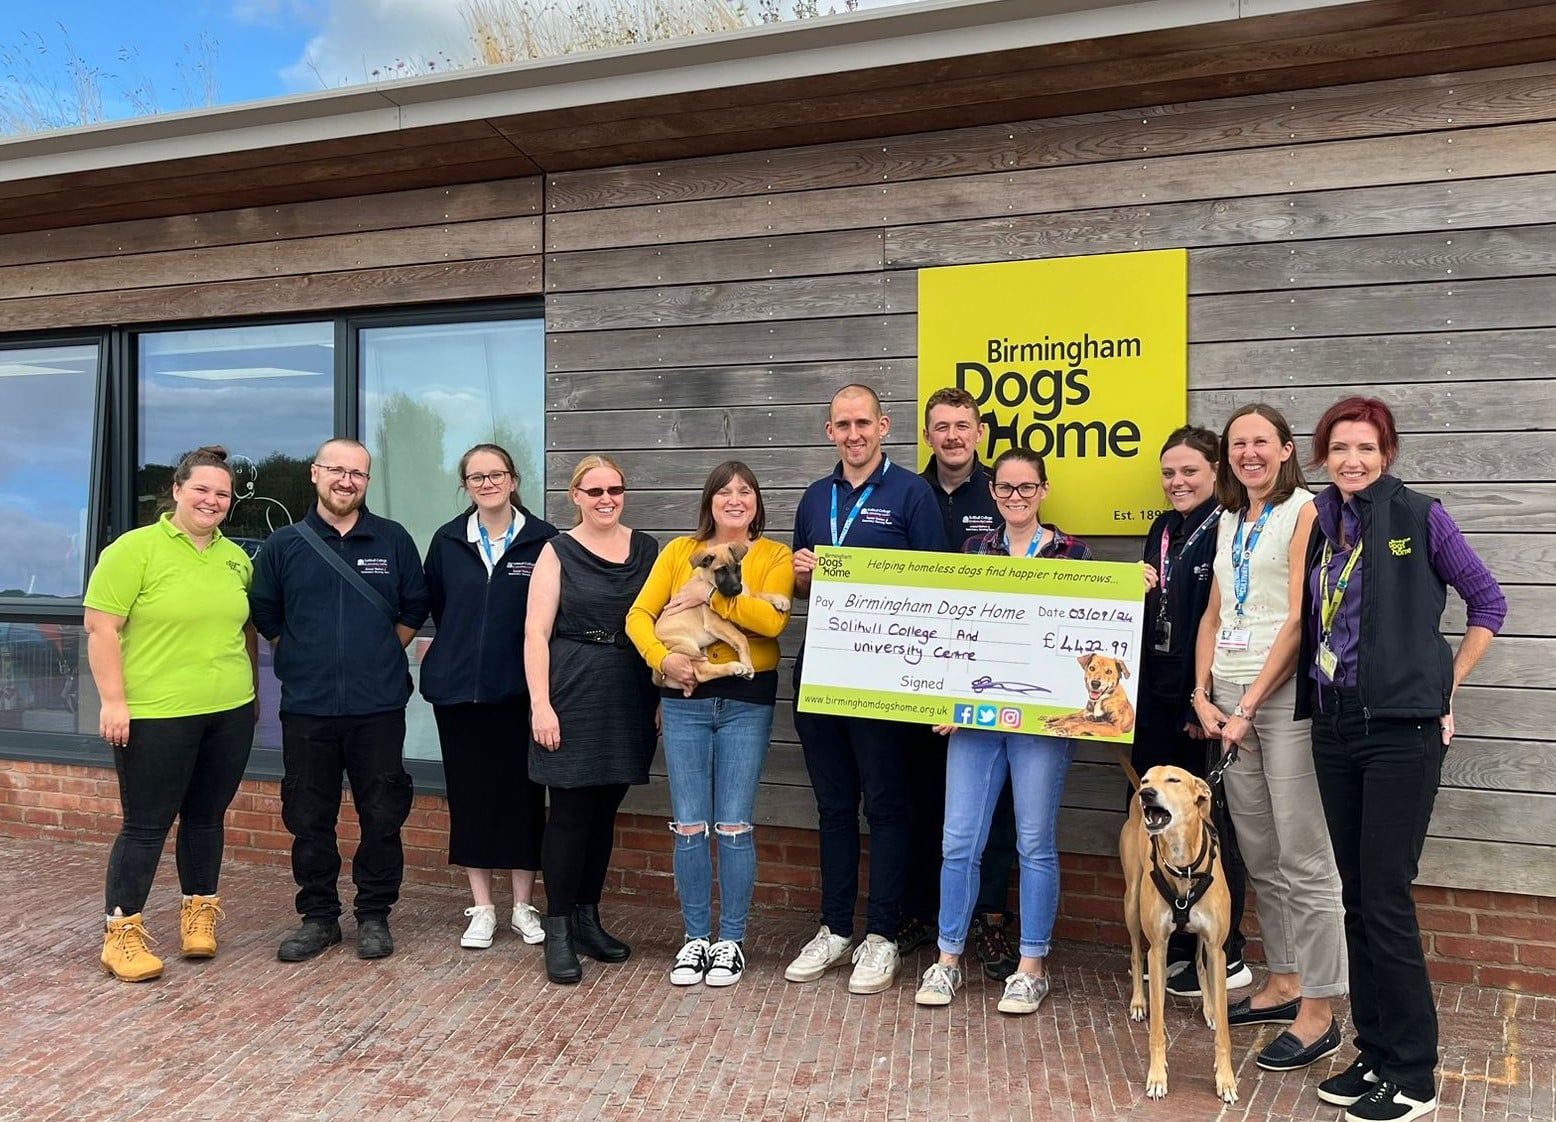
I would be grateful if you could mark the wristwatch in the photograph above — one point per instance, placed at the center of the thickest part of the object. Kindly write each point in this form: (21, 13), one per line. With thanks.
(1239, 711)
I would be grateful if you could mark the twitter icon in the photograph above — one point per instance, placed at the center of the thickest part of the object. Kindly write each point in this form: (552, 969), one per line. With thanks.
(987, 716)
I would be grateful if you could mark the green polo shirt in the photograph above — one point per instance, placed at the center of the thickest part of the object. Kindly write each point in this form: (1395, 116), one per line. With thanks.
(183, 640)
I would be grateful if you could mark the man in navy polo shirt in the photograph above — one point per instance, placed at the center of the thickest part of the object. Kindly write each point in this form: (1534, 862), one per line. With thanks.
(869, 503)
(953, 429)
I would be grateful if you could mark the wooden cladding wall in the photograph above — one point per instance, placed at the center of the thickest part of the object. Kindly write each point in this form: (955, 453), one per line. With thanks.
(437, 244)
(1393, 237)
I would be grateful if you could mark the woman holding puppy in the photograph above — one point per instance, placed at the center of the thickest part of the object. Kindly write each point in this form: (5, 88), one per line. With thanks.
(1244, 694)
(977, 763)
(716, 728)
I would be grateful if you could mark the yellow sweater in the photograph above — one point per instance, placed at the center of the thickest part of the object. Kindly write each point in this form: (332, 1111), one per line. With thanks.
(769, 567)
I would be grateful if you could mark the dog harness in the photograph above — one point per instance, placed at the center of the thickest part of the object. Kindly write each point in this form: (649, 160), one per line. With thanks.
(1199, 882)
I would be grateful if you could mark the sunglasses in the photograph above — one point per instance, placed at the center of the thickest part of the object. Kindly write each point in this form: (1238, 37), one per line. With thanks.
(595, 492)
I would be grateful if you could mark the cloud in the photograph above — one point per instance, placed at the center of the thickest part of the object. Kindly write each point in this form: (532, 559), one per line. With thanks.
(353, 38)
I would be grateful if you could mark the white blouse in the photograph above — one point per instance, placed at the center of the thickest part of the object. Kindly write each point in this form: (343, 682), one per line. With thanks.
(1269, 573)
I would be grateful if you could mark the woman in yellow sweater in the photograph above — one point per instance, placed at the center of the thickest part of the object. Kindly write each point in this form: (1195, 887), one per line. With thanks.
(716, 732)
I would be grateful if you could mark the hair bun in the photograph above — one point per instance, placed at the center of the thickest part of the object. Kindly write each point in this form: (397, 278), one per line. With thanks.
(215, 451)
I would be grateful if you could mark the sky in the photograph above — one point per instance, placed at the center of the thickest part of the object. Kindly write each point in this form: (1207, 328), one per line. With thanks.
(263, 48)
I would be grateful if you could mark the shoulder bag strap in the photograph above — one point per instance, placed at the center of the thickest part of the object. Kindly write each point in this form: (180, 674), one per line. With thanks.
(352, 578)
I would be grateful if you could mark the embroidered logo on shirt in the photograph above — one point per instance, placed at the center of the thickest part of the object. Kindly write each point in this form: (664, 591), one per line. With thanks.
(1399, 547)
(520, 568)
(373, 566)
(235, 567)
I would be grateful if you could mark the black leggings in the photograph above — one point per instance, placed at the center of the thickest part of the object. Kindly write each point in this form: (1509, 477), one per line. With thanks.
(577, 848)
(186, 768)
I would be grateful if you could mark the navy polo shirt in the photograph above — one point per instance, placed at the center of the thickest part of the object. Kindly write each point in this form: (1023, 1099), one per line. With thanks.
(900, 513)
(969, 511)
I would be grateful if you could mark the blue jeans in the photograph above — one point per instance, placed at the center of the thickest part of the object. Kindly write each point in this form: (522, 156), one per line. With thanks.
(714, 751)
(977, 763)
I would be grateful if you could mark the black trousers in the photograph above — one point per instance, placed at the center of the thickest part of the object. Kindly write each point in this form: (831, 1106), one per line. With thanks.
(496, 815)
(1378, 780)
(924, 762)
(576, 852)
(186, 768)
(1161, 741)
(367, 750)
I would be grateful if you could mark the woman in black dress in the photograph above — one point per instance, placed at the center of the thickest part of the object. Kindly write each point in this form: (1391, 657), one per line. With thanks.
(592, 706)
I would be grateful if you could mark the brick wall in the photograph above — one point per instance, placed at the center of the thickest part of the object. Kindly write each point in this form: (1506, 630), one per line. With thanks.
(1498, 939)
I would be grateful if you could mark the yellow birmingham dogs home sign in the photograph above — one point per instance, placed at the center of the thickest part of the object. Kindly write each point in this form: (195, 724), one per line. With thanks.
(1081, 359)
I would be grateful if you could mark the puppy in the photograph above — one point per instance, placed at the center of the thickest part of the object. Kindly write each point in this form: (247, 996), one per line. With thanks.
(1168, 831)
(691, 632)
(1107, 711)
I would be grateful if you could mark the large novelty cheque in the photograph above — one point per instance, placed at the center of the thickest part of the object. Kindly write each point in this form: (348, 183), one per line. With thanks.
(979, 641)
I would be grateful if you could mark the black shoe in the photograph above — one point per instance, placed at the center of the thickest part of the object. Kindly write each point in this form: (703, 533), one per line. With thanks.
(593, 940)
(373, 939)
(911, 935)
(562, 965)
(1243, 1013)
(1287, 1053)
(991, 943)
(1351, 1085)
(314, 937)
(1185, 983)
(1389, 1102)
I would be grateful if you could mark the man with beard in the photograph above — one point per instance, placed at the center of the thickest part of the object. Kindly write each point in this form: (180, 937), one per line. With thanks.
(339, 595)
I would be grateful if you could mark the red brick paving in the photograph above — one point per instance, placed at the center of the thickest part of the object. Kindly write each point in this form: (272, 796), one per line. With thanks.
(440, 1033)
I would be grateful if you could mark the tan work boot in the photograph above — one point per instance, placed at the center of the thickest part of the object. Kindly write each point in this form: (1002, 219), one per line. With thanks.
(197, 923)
(125, 954)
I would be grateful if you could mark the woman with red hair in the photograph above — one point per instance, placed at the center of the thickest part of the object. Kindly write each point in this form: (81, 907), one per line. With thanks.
(1378, 679)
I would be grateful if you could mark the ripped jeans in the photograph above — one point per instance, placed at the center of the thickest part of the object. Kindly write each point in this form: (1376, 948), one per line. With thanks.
(714, 751)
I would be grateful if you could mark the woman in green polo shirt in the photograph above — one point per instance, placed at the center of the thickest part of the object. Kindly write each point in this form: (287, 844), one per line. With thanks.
(174, 661)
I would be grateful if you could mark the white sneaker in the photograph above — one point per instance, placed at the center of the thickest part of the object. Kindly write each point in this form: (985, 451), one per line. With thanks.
(483, 924)
(525, 923)
(691, 964)
(818, 956)
(875, 965)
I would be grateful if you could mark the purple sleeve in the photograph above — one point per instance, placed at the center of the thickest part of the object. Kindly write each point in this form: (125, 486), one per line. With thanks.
(1460, 566)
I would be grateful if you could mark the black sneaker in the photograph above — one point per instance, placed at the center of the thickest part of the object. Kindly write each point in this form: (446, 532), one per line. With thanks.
(373, 939)
(691, 963)
(1185, 983)
(315, 936)
(1351, 1085)
(726, 963)
(1387, 1102)
(911, 935)
(991, 943)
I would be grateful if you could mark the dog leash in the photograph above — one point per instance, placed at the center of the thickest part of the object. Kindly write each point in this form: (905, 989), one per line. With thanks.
(1213, 776)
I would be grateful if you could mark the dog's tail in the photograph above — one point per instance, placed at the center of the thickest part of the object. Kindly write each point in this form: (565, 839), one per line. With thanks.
(1129, 768)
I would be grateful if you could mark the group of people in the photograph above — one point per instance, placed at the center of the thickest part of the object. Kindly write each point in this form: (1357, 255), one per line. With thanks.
(1291, 642)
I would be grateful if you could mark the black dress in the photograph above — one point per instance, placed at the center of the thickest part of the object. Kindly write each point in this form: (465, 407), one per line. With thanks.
(601, 689)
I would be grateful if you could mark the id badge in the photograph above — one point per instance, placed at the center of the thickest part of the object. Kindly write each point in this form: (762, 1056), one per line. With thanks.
(1327, 662)
(1161, 635)
(1233, 639)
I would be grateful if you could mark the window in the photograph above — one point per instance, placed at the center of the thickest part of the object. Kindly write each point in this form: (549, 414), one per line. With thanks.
(48, 418)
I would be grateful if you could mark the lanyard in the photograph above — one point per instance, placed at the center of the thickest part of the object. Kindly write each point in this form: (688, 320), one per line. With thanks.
(486, 543)
(1330, 604)
(1164, 571)
(838, 536)
(1242, 559)
(1037, 539)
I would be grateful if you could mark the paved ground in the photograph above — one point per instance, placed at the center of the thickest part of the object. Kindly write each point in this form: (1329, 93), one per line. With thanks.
(440, 1033)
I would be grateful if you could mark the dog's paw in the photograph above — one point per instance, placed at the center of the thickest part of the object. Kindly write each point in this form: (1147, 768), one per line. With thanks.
(1156, 1085)
(1137, 1010)
(780, 602)
(744, 671)
(1228, 1092)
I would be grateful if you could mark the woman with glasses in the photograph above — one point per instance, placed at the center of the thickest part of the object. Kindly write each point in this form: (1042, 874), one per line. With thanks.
(592, 705)
(173, 657)
(717, 729)
(977, 763)
(478, 571)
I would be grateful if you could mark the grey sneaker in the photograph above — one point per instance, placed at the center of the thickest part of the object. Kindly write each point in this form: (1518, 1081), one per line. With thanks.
(939, 985)
(875, 965)
(816, 957)
(1023, 993)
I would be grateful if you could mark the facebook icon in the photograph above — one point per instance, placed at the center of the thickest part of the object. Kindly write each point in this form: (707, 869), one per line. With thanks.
(962, 715)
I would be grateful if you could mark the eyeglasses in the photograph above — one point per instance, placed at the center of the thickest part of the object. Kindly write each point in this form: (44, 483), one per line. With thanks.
(335, 471)
(595, 492)
(1025, 490)
(482, 478)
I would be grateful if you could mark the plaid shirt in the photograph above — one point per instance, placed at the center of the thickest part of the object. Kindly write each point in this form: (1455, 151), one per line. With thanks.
(1061, 545)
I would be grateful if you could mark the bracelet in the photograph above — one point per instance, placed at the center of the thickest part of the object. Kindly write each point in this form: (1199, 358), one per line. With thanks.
(1198, 690)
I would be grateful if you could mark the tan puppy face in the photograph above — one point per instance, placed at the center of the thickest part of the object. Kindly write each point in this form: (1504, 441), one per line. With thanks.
(1170, 796)
(1102, 674)
(719, 565)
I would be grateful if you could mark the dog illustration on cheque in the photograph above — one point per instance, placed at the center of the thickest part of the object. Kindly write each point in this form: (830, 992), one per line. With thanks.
(693, 631)
(1108, 711)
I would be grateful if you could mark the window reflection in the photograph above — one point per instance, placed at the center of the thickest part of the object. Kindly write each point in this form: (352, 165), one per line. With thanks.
(48, 405)
(42, 666)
